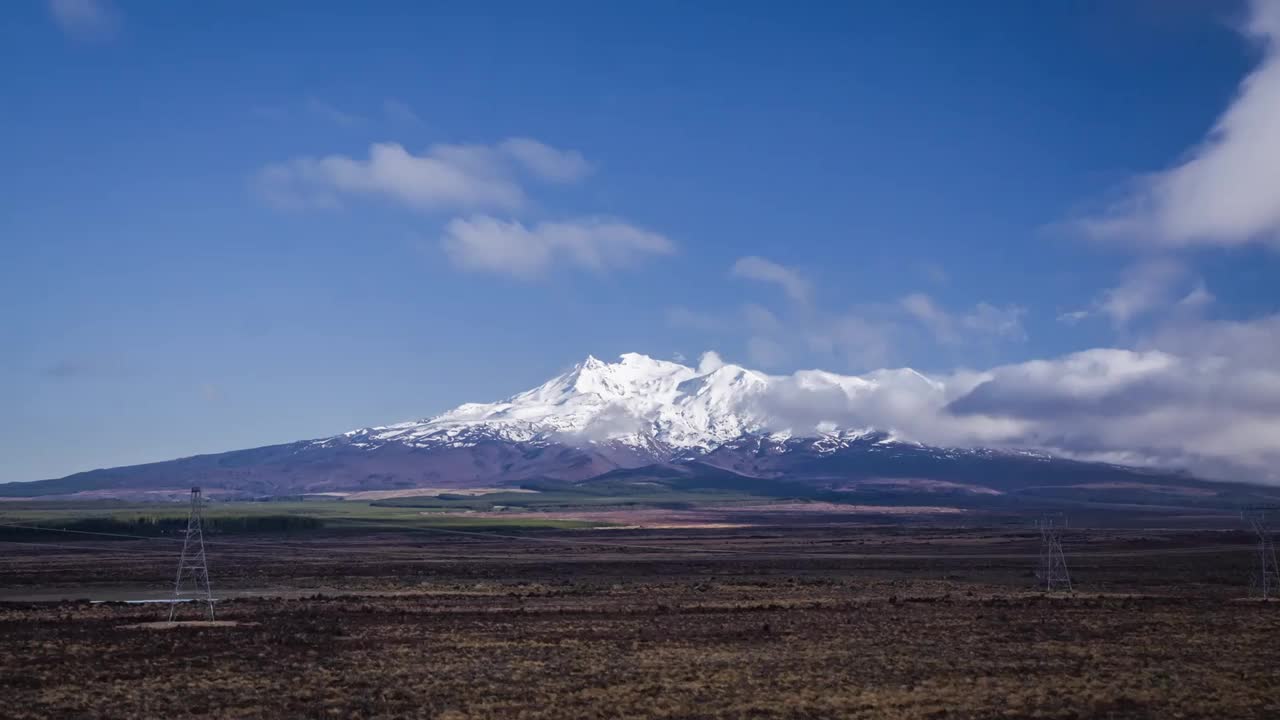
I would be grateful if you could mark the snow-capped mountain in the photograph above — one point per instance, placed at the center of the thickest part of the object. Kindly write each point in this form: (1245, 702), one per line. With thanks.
(653, 424)
(653, 408)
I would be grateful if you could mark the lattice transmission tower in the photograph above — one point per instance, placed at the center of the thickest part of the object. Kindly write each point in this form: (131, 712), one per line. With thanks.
(1052, 573)
(192, 566)
(1265, 578)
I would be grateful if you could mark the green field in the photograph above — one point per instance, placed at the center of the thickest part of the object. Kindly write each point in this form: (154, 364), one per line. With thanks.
(517, 510)
(248, 517)
(568, 500)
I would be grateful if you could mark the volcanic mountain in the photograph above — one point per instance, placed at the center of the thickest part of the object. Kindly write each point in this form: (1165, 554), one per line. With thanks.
(638, 420)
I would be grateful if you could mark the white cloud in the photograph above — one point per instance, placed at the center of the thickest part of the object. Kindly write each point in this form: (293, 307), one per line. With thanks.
(710, 362)
(1072, 317)
(862, 337)
(757, 268)
(1227, 192)
(1191, 393)
(1199, 395)
(1215, 414)
(1198, 297)
(922, 308)
(987, 319)
(982, 320)
(1250, 343)
(87, 19)
(1152, 287)
(484, 243)
(1146, 287)
(548, 163)
(907, 404)
(858, 337)
(446, 176)
(1195, 393)
(442, 177)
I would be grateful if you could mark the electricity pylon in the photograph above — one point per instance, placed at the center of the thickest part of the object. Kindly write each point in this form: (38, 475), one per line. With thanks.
(1052, 574)
(1265, 578)
(192, 565)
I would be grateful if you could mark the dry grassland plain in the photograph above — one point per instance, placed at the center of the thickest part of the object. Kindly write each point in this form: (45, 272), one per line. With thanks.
(858, 621)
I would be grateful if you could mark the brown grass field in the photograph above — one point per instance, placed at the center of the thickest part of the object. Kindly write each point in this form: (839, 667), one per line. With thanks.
(857, 621)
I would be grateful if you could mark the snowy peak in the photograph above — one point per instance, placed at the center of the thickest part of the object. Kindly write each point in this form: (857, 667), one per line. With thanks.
(656, 408)
(632, 376)
(725, 380)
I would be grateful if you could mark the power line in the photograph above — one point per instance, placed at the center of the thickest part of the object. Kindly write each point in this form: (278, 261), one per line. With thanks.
(89, 532)
(64, 546)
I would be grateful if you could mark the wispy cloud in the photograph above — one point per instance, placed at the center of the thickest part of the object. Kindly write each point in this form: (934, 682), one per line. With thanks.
(1071, 317)
(1150, 287)
(487, 244)
(790, 280)
(85, 19)
(546, 162)
(766, 352)
(331, 113)
(470, 178)
(1227, 192)
(442, 177)
(1145, 287)
(313, 110)
(922, 308)
(400, 112)
(760, 318)
(861, 336)
(991, 320)
(445, 176)
(983, 320)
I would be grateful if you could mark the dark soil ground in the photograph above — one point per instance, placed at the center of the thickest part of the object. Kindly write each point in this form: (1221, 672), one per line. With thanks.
(854, 621)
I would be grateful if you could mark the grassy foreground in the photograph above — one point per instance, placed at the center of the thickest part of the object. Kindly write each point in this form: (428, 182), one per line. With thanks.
(454, 627)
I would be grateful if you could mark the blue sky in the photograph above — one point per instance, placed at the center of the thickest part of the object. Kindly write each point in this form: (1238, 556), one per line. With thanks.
(232, 224)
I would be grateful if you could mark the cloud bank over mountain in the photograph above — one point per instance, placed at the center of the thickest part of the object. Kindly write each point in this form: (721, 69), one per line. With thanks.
(1212, 407)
